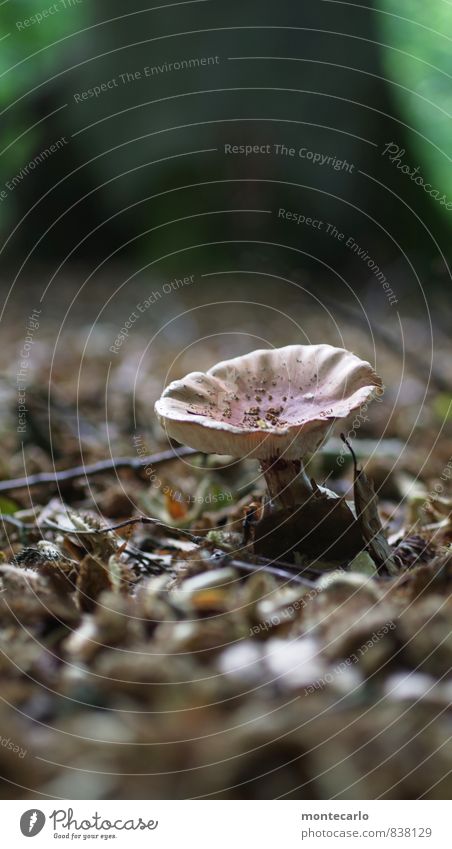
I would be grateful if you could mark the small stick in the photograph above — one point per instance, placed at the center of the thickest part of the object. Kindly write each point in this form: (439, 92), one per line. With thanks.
(270, 566)
(11, 520)
(349, 446)
(291, 567)
(95, 469)
(135, 520)
(272, 570)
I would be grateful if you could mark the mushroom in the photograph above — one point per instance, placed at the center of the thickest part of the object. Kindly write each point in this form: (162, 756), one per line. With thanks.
(277, 405)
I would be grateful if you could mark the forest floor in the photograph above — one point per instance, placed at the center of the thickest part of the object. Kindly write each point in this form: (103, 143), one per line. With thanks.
(168, 659)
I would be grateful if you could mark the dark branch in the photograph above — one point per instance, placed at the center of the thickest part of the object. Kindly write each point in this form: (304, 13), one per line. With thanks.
(283, 574)
(95, 469)
(136, 520)
(349, 446)
(11, 520)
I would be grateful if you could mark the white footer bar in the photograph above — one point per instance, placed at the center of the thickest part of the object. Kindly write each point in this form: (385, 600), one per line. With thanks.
(226, 824)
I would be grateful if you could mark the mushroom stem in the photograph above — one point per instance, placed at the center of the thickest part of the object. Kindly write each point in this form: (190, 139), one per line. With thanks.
(287, 481)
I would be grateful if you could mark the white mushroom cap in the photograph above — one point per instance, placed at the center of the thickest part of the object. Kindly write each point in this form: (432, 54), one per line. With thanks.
(272, 403)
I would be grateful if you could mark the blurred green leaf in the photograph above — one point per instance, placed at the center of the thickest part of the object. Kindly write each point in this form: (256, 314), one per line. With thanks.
(418, 58)
(442, 406)
(7, 506)
(363, 564)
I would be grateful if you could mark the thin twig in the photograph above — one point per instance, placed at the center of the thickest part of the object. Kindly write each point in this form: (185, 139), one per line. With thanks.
(93, 469)
(135, 520)
(277, 567)
(146, 559)
(218, 557)
(272, 570)
(11, 520)
(218, 554)
(290, 567)
(271, 567)
(349, 446)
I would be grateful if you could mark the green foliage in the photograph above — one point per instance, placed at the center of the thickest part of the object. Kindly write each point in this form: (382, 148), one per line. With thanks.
(7, 506)
(442, 405)
(36, 49)
(29, 56)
